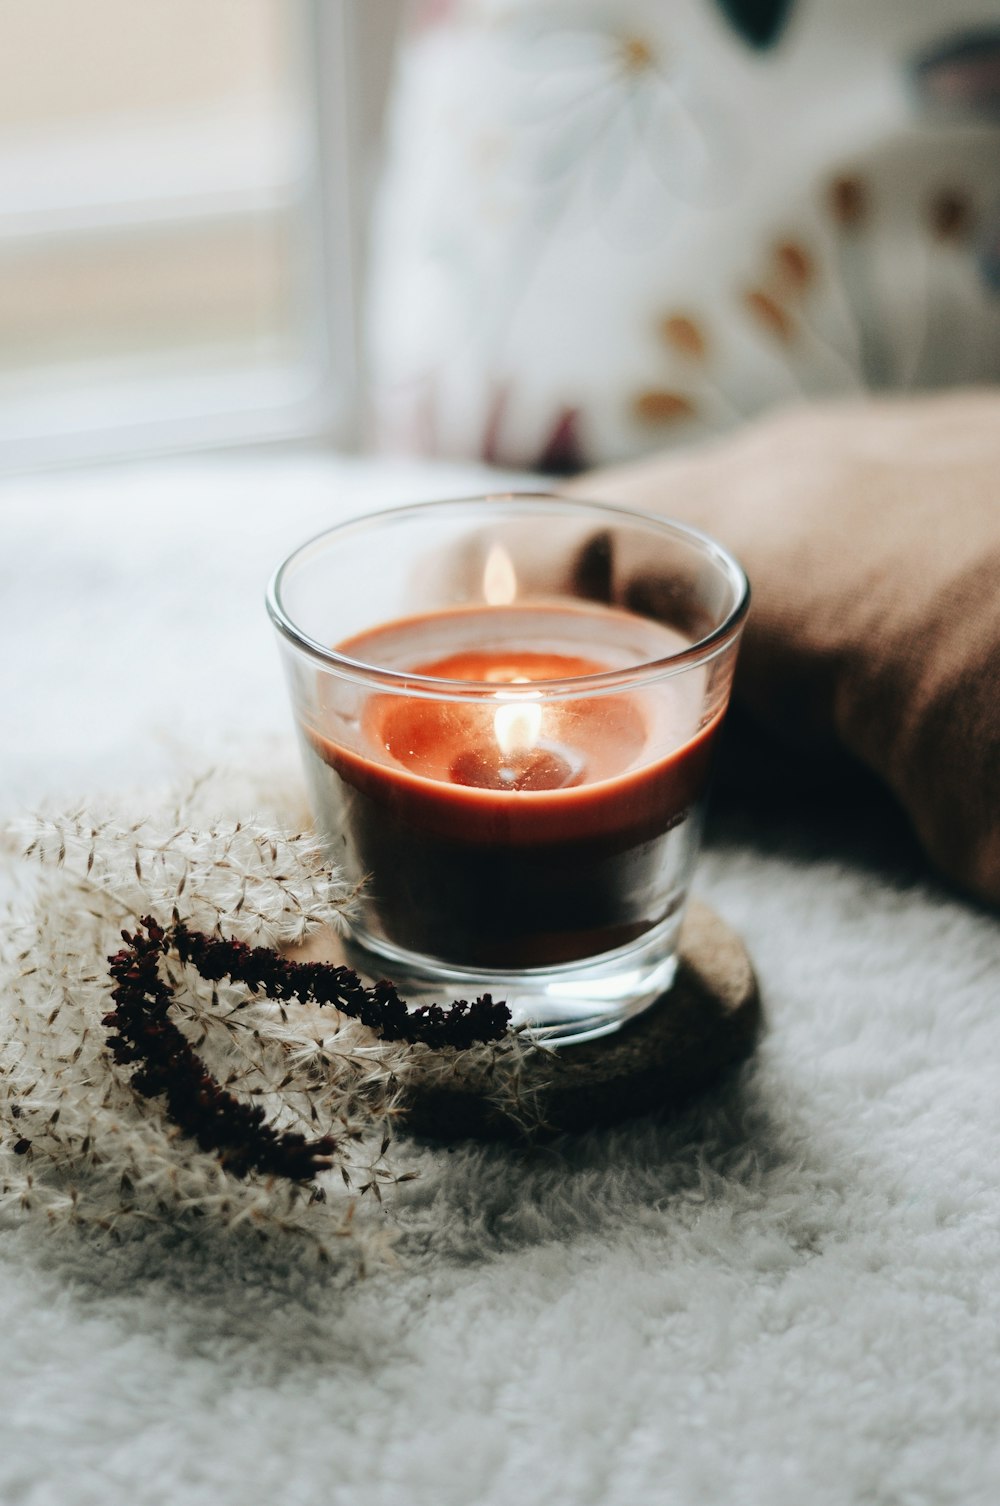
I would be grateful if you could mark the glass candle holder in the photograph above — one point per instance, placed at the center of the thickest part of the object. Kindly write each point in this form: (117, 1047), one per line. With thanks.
(507, 708)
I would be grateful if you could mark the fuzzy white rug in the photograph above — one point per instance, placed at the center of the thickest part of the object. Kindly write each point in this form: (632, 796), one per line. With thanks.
(790, 1295)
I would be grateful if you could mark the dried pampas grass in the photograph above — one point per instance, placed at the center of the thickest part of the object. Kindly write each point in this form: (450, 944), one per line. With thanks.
(79, 1144)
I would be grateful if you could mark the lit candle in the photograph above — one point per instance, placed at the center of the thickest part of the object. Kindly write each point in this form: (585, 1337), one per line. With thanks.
(535, 824)
(507, 762)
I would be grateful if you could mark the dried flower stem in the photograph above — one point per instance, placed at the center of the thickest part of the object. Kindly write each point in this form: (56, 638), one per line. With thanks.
(79, 1144)
(380, 1008)
(196, 1102)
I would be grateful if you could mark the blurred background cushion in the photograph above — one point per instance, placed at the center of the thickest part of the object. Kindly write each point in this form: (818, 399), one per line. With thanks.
(608, 225)
(871, 534)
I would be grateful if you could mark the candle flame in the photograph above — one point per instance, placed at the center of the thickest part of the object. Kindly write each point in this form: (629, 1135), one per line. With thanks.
(499, 579)
(517, 725)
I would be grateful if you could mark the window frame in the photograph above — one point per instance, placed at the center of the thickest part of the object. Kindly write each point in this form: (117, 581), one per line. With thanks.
(326, 407)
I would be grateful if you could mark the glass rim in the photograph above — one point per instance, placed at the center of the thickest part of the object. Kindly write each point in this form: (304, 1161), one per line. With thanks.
(523, 502)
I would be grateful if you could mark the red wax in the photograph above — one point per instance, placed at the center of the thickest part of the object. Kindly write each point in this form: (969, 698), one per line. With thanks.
(542, 836)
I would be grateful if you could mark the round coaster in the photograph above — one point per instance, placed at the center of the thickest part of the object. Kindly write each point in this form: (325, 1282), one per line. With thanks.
(678, 1047)
(707, 1023)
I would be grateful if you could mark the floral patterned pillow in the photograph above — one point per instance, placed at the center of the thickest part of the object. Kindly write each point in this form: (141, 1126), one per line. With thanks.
(609, 224)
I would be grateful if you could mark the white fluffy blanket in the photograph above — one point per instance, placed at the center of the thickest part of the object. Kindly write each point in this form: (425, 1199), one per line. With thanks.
(790, 1295)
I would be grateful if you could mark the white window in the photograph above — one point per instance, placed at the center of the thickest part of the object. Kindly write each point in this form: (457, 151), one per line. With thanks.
(178, 224)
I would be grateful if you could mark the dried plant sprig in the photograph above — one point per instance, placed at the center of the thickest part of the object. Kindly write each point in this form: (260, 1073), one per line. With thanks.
(252, 877)
(461, 1025)
(79, 1145)
(170, 1067)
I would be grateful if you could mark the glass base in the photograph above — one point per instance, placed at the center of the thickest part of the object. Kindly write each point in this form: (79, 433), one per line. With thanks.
(560, 1005)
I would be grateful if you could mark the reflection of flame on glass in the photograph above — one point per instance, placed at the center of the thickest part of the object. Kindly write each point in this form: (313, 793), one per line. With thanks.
(517, 725)
(499, 580)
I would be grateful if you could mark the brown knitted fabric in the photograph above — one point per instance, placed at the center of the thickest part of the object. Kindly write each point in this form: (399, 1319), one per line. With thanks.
(871, 535)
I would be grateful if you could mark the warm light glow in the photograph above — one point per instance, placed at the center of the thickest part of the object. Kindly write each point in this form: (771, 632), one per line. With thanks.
(517, 726)
(499, 580)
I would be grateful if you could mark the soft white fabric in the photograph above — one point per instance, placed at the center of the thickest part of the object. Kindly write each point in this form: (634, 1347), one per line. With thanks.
(790, 1295)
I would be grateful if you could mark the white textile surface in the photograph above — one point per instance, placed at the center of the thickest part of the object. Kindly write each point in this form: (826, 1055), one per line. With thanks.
(789, 1295)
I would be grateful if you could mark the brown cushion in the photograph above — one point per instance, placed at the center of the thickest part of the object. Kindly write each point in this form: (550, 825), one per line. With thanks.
(871, 535)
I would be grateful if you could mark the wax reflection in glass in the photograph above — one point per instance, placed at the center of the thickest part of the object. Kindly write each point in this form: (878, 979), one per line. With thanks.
(499, 578)
(517, 726)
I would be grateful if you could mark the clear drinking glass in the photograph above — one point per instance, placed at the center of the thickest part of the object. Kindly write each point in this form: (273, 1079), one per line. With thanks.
(507, 708)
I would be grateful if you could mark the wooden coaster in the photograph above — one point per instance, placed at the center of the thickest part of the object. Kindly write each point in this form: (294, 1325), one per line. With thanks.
(708, 1022)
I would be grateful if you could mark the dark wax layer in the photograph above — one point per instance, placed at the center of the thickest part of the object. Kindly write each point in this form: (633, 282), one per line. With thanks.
(504, 878)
